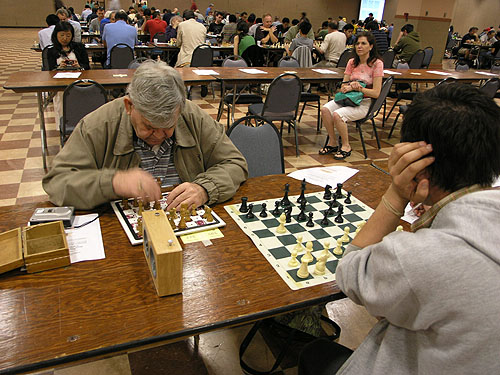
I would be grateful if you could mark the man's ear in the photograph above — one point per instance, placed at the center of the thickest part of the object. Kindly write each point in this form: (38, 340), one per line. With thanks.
(128, 105)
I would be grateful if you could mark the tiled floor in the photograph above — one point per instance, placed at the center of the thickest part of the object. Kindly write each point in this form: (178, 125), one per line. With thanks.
(20, 182)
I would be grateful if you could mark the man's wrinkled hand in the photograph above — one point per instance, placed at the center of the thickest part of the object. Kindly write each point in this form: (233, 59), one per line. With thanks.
(187, 193)
(134, 183)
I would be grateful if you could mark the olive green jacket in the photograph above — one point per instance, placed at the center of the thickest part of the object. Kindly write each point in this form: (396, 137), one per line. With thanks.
(102, 143)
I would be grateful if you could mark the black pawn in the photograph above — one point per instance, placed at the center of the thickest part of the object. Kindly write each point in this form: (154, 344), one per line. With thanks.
(310, 222)
(276, 211)
(244, 207)
(302, 215)
(285, 201)
(334, 202)
(288, 213)
(339, 218)
(250, 214)
(263, 213)
(331, 211)
(302, 197)
(338, 193)
(348, 198)
(324, 222)
(328, 193)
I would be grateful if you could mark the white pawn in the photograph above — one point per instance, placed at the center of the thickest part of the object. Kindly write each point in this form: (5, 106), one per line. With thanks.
(320, 266)
(345, 237)
(360, 226)
(298, 247)
(308, 257)
(338, 250)
(303, 272)
(281, 228)
(293, 261)
(399, 228)
(325, 252)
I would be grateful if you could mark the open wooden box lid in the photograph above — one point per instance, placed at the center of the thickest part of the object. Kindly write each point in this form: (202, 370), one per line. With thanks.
(11, 250)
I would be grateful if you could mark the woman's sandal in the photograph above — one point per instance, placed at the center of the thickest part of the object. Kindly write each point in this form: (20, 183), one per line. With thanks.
(341, 154)
(328, 150)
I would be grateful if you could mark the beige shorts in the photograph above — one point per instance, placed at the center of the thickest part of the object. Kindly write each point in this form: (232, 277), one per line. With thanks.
(350, 113)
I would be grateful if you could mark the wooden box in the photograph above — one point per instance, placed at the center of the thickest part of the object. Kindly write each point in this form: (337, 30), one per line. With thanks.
(43, 247)
(163, 253)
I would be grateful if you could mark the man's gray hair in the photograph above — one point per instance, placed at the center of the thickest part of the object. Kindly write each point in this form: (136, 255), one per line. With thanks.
(158, 93)
(62, 11)
(175, 18)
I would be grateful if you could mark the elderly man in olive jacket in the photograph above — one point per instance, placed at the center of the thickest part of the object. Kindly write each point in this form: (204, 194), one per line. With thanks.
(120, 149)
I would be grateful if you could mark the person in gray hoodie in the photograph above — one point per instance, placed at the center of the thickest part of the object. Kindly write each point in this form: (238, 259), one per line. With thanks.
(436, 289)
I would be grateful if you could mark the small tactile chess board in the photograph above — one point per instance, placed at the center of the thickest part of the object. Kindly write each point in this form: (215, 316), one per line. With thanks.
(277, 248)
(128, 219)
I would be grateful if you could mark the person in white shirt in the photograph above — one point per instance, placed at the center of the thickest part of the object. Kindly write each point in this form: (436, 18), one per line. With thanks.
(333, 45)
(45, 35)
(63, 15)
(86, 12)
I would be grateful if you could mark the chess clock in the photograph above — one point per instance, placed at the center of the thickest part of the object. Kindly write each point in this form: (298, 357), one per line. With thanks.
(163, 253)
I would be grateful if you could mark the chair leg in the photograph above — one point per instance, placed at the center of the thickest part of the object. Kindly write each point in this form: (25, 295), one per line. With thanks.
(221, 108)
(376, 134)
(392, 108)
(394, 125)
(296, 137)
(358, 125)
(383, 116)
(318, 125)
(228, 116)
(301, 112)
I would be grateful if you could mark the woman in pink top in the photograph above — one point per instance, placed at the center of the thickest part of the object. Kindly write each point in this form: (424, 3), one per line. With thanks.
(366, 67)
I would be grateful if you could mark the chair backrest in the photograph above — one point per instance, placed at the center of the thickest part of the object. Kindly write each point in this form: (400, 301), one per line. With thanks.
(254, 56)
(260, 145)
(495, 67)
(345, 57)
(446, 81)
(283, 96)
(234, 61)
(377, 104)
(304, 56)
(162, 37)
(120, 56)
(491, 87)
(134, 64)
(462, 65)
(79, 99)
(45, 57)
(388, 58)
(417, 59)
(203, 56)
(288, 62)
(428, 52)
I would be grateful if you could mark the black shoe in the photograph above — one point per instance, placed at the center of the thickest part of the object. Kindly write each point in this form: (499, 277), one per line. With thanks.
(204, 91)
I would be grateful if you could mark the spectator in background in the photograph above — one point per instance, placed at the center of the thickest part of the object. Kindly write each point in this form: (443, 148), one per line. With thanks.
(95, 24)
(488, 38)
(209, 9)
(380, 37)
(342, 23)
(66, 54)
(45, 35)
(171, 31)
(390, 29)
(251, 19)
(86, 12)
(244, 16)
(216, 26)
(266, 33)
(229, 29)
(167, 16)
(156, 25)
(193, 6)
(323, 31)
(253, 28)
(407, 44)
(109, 17)
(368, 19)
(118, 32)
(295, 22)
(72, 15)
(284, 27)
(301, 39)
(349, 34)
(190, 34)
(333, 46)
(292, 32)
(91, 16)
(64, 15)
(242, 40)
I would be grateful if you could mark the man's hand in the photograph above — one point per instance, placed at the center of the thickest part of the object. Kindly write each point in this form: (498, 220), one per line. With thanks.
(134, 183)
(188, 193)
(407, 163)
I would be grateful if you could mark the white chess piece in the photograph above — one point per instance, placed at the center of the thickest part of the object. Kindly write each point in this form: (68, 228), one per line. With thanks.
(303, 272)
(360, 226)
(293, 261)
(281, 228)
(298, 247)
(325, 251)
(345, 237)
(399, 228)
(320, 266)
(308, 257)
(338, 250)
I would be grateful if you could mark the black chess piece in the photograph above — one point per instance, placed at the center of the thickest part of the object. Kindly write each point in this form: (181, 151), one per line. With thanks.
(328, 193)
(302, 214)
(324, 222)
(302, 197)
(310, 222)
(338, 193)
(276, 211)
(348, 198)
(331, 211)
(263, 212)
(288, 213)
(339, 218)
(335, 203)
(244, 207)
(250, 214)
(285, 202)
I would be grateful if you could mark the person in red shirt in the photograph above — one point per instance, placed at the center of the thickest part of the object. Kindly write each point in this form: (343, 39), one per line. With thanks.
(155, 25)
(193, 5)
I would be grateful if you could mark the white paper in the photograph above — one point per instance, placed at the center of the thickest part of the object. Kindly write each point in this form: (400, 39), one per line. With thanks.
(325, 71)
(205, 72)
(488, 74)
(90, 44)
(67, 75)
(85, 243)
(409, 215)
(439, 73)
(390, 72)
(323, 176)
(497, 182)
(252, 71)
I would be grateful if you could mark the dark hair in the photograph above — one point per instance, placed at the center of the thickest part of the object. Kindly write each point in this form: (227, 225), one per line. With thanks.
(251, 18)
(286, 19)
(334, 25)
(155, 14)
(305, 27)
(463, 126)
(258, 20)
(62, 26)
(147, 12)
(408, 28)
(242, 28)
(473, 28)
(324, 24)
(121, 15)
(372, 25)
(232, 18)
(373, 52)
(295, 21)
(188, 14)
(219, 14)
(243, 14)
(348, 26)
(87, 6)
(52, 19)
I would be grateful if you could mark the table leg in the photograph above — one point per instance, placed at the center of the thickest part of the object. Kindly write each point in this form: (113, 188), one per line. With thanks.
(43, 134)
